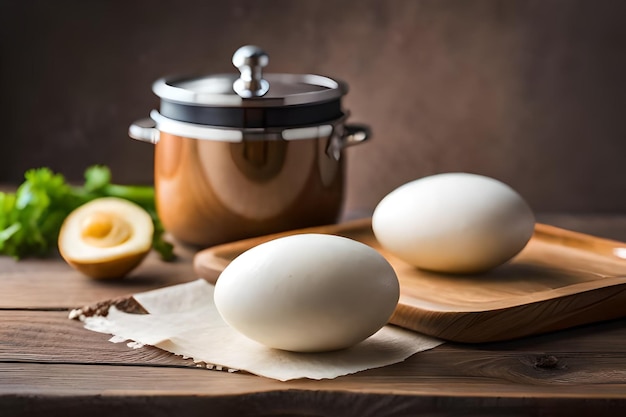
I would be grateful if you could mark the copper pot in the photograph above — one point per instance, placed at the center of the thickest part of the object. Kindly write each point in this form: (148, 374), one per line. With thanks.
(243, 156)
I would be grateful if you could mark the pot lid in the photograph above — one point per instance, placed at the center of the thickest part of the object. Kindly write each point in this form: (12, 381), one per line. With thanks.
(250, 88)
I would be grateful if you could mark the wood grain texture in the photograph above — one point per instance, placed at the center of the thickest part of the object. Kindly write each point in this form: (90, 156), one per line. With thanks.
(52, 284)
(50, 337)
(569, 363)
(127, 390)
(561, 279)
(62, 379)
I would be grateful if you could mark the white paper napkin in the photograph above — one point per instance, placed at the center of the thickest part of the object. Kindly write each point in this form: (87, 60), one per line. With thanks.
(183, 320)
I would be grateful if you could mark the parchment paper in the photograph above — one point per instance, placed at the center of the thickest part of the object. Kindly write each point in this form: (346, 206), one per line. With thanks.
(183, 320)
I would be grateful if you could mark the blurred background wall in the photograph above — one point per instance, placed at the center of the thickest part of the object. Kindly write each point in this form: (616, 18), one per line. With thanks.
(530, 92)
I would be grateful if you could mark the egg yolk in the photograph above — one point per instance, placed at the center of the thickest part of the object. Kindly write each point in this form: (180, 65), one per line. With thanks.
(105, 230)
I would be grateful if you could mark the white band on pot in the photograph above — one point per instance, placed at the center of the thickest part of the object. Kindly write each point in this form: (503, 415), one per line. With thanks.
(203, 132)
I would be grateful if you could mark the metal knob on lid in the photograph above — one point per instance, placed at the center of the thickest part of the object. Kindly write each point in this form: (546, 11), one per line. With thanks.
(250, 61)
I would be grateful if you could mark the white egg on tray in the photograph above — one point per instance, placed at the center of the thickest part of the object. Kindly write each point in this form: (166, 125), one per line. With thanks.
(456, 223)
(308, 292)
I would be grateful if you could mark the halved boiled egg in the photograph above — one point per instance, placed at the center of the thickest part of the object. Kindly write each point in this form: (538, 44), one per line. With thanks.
(106, 237)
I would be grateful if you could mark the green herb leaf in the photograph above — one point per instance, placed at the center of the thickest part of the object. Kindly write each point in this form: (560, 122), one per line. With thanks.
(97, 177)
(31, 218)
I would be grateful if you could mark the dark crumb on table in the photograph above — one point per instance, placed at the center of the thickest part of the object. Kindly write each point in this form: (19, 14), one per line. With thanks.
(126, 304)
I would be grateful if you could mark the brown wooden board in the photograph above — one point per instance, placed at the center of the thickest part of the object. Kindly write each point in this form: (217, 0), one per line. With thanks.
(561, 279)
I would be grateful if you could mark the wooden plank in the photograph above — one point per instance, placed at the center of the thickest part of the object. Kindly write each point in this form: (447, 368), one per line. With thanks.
(52, 333)
(50, 337)
(53, 388)
(71, 379)
(52, 284)
(574, 357)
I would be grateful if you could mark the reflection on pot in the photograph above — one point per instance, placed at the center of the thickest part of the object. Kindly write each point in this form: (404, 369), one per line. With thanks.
(211, 192)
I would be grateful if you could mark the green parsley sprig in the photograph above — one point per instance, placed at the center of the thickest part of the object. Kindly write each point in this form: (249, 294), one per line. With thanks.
(30, 218)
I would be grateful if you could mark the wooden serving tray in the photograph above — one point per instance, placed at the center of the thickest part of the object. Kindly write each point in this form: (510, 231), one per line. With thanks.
(561, 279)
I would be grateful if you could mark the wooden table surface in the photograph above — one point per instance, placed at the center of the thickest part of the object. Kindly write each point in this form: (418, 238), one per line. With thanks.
(50, 365)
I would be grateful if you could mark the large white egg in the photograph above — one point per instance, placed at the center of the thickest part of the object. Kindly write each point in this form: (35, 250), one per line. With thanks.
(308, 292)
(453, 223)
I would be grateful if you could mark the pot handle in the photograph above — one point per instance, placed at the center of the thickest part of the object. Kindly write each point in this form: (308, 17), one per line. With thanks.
(350, 135)
(144, 130)
(354, 134)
